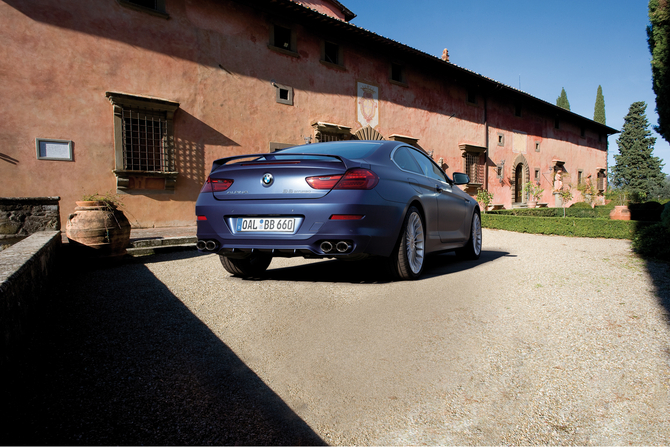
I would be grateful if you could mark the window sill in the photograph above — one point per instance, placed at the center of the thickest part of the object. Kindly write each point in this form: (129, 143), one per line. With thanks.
(283, 51)
(145, 182)
(398, 83)
(332, 65)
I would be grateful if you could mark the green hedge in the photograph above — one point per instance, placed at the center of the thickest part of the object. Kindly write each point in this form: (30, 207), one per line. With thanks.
(562, 226)
(594, 213)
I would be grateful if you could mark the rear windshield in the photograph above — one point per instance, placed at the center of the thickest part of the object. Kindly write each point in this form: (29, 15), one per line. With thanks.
(343, 149)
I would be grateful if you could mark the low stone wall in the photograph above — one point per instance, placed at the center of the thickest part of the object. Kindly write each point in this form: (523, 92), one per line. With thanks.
(24, 270)
(21, 216)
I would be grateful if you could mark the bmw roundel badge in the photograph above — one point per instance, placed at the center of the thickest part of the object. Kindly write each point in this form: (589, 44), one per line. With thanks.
(267, 179)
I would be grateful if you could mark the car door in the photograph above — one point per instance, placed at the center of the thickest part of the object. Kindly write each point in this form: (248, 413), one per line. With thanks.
(416, 178)
(450, 204)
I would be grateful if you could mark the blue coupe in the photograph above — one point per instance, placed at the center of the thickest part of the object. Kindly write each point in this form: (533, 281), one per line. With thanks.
(344, 200)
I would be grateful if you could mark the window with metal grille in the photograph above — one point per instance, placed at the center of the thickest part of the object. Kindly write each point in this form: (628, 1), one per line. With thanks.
(144, 141)
(144, 150)
(327, 136)
(601, 180)
(474, 167)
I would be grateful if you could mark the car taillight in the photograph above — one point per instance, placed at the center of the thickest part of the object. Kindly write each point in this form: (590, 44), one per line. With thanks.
(216, 185)
(358, 179)
(326, 182)
(352, 179)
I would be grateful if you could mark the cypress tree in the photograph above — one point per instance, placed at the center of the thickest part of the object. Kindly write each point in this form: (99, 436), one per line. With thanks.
(636, 170)
(562, 100)
(599, 109)
(659, 46)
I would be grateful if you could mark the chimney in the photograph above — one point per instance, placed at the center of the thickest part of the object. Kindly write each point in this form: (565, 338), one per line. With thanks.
(445, 55)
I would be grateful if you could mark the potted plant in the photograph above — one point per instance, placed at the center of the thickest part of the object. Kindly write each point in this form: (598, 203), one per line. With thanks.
(534, 193)
(98, 227)
(484, 198)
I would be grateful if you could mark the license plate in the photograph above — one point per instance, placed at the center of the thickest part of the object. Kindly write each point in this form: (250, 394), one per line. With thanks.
(266, 224)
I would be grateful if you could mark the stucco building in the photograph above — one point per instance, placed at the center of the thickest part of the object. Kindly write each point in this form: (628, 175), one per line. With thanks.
(139, 97)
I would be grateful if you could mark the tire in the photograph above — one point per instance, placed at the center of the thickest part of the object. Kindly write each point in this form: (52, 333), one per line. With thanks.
(473, 249)
(409, 255)
(253, 265)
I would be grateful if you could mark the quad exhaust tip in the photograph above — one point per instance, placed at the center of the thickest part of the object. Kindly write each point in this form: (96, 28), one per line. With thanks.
(342, 246)
(328, 246)
(210, 245)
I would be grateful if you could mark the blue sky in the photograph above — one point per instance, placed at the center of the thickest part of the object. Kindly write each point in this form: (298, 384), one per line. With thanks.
(537, 46)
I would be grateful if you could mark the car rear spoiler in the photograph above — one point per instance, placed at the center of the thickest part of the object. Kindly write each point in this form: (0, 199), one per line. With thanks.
(275, 158)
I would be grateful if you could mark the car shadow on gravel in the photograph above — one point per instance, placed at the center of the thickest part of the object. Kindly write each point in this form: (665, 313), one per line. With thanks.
(117, 359)
(371, 271)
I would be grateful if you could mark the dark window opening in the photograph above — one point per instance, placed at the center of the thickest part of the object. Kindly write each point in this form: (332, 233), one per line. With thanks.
(537, 146)
(284, 94)
(151, 4)
(282, 37)
(537, 175)
(501, 139)
(472, 96)
(397, 73)
(154, 7)
(331, 53)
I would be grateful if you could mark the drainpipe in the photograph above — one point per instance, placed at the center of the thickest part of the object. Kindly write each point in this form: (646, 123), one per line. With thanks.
(486, 144)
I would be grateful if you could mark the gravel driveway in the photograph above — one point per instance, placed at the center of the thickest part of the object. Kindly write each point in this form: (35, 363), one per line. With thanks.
(544, 340)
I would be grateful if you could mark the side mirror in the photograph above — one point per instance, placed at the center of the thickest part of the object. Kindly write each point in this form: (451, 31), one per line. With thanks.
(461, 179)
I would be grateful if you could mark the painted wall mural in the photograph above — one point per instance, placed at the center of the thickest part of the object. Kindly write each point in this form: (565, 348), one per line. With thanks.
(367, 104)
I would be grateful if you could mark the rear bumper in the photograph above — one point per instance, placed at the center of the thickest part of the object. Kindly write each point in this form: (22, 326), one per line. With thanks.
(375, 234)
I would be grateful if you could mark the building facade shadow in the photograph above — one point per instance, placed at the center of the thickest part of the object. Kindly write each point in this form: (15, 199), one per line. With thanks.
(117, 359)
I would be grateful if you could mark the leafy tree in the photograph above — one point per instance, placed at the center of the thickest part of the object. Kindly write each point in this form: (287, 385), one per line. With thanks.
(661, 192)
(599, 109)
(637, 171)
(659, 45)
(562, 101)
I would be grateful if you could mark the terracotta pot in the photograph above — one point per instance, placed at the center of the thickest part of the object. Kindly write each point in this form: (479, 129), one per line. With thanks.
(531, 204)
(620, 213)
(98, 230)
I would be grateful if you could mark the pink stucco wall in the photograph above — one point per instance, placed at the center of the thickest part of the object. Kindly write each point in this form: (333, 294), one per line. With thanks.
(58, 58)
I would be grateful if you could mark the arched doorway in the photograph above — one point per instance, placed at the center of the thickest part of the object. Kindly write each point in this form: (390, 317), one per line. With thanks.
(519, 179)
(518, 184)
